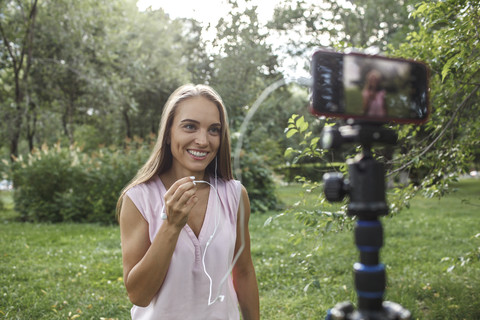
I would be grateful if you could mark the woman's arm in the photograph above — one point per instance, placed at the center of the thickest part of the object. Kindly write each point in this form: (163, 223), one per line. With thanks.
(244, 278)
(145, 264)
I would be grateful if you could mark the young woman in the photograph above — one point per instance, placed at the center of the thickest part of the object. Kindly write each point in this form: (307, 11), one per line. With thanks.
(374, 95)
(181, 220)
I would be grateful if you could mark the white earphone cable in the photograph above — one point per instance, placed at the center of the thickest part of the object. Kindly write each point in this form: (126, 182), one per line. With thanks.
(237, 172)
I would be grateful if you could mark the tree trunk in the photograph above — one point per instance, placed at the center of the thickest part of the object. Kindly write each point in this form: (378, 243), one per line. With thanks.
(67, 121)
(127, 123)
(17, 119)
(21, 63)
(31, 124)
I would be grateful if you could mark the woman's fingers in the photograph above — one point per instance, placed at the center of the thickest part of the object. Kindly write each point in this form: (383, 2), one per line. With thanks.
(185, 182)
(179, 201)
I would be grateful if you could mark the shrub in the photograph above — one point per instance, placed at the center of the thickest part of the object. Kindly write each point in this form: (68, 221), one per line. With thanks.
(258, 180)
(63, 184)
(115, 169)
(39, 180)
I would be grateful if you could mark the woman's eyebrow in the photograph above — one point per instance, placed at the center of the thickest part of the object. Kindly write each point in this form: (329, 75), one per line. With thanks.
(215, 124)
(190, 120)
(198, 122)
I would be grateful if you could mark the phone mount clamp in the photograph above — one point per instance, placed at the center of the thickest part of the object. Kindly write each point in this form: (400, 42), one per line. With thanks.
(366, 190)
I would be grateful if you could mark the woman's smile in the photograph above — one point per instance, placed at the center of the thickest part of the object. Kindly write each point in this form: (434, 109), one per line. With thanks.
(198, 154)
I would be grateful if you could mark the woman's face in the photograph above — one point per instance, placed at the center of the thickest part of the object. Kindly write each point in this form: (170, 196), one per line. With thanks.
(194, 136)
(373, 80)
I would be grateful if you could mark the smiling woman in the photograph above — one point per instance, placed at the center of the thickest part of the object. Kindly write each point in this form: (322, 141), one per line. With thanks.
(167, 220)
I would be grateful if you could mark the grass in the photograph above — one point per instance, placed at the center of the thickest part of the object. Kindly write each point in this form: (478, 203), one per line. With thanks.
(68, 271)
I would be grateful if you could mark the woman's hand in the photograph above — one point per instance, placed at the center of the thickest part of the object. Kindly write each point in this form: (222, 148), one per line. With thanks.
(179, 201)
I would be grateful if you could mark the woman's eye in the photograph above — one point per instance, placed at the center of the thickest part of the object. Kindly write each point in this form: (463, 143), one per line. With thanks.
(189, 127)
(215, 130)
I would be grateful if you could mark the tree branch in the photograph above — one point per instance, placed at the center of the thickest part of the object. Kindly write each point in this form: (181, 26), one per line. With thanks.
(7, 46)
(28, 31)
(444, 130)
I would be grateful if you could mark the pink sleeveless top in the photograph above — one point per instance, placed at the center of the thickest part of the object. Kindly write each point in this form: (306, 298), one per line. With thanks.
(185, 292)
(377, 104)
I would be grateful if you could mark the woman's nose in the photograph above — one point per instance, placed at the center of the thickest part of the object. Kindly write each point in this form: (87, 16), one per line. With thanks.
(201, 137)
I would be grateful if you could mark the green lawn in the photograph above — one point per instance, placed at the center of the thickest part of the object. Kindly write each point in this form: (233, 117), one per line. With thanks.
(68, 271)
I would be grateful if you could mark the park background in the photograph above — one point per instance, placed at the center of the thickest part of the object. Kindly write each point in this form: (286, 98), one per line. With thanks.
(82, 85)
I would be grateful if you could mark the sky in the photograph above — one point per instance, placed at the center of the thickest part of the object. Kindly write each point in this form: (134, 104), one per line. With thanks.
(207, 11)
(210, 11)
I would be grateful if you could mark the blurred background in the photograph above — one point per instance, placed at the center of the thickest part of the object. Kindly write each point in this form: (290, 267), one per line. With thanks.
(83, 83)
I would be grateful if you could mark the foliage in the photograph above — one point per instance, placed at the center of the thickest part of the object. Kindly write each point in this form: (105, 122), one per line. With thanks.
(96, 72)
(318, 215)
(258, 180)
(70, 185)
(309, 141)
(64, 184)
(305, 158)
(90, 63)
(446, 37)
(244, 61)
(106, 66)
(446, 146)
(244, 66)
(101, 71)
(328, 23)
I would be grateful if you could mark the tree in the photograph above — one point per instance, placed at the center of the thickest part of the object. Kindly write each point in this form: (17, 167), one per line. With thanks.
(245, 65)
(448, 41)
(436, 153)
(101, 71)
(104, 66)
(17, 29)
(158, 67)
(307, 25)
(244, 61)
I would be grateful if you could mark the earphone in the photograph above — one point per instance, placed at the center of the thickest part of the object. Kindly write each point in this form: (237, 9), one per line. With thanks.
(164, 217)
(164, 214)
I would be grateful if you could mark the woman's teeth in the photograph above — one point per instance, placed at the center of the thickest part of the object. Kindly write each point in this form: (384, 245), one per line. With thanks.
(197, 153)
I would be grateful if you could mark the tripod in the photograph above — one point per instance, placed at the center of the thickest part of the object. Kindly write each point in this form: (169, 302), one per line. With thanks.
(366, 189)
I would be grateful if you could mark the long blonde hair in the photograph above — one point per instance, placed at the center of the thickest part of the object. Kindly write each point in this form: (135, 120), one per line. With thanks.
(160, 159)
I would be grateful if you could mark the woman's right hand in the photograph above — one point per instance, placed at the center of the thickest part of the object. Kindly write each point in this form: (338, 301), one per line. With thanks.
(146, 262)
(179, 201)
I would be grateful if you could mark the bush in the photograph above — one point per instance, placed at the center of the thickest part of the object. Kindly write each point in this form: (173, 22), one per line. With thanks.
(63, 184)
(258, 180)
(40, 179)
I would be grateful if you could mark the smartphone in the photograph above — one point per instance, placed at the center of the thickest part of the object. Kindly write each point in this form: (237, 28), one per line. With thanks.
(369, 88)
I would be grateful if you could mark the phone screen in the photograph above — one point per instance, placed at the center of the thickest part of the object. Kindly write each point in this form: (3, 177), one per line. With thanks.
(372, 88)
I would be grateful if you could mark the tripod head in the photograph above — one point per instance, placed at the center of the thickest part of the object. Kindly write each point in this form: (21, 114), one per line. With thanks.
(360, 132)
(366, 186)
